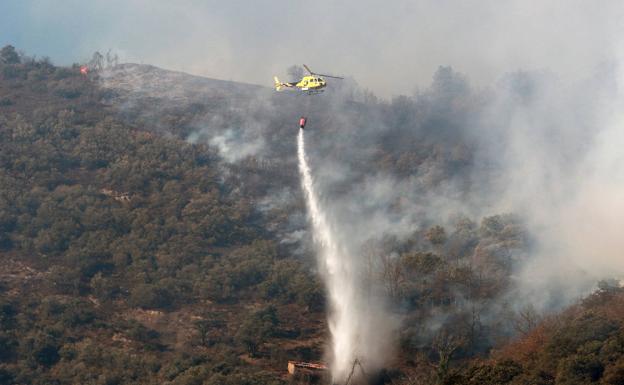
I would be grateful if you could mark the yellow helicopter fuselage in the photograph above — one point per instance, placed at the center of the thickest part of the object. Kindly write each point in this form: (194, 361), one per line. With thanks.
(310, 82)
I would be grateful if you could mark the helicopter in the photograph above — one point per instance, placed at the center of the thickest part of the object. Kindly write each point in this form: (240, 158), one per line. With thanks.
(312, 83)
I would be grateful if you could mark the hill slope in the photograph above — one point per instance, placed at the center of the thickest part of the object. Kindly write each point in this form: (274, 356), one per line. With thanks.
(152, 231)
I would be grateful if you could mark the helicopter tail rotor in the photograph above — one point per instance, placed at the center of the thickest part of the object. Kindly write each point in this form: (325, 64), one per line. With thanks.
(278, 85)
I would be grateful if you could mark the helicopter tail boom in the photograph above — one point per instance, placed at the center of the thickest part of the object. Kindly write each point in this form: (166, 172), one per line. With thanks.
(279, 85)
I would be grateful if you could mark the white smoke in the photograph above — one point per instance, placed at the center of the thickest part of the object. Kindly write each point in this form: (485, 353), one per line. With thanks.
(233, 144)
(573, 203)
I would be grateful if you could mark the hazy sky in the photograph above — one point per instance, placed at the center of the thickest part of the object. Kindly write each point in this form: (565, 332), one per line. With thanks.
(389, 47)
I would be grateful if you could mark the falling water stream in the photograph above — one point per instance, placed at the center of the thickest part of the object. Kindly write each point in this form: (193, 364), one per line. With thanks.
(338, 275)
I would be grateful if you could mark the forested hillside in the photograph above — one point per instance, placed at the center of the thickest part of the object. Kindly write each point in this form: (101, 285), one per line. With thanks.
(157, 234)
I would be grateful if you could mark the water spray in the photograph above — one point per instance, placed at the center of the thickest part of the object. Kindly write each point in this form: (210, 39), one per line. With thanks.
(338, 275)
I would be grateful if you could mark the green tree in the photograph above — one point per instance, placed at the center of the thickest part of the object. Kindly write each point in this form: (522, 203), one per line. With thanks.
(8, 55)
(257, 328)
(436, 235)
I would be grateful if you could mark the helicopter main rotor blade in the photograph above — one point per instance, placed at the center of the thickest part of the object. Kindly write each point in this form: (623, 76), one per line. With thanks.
(314, 73)
(329, 76)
